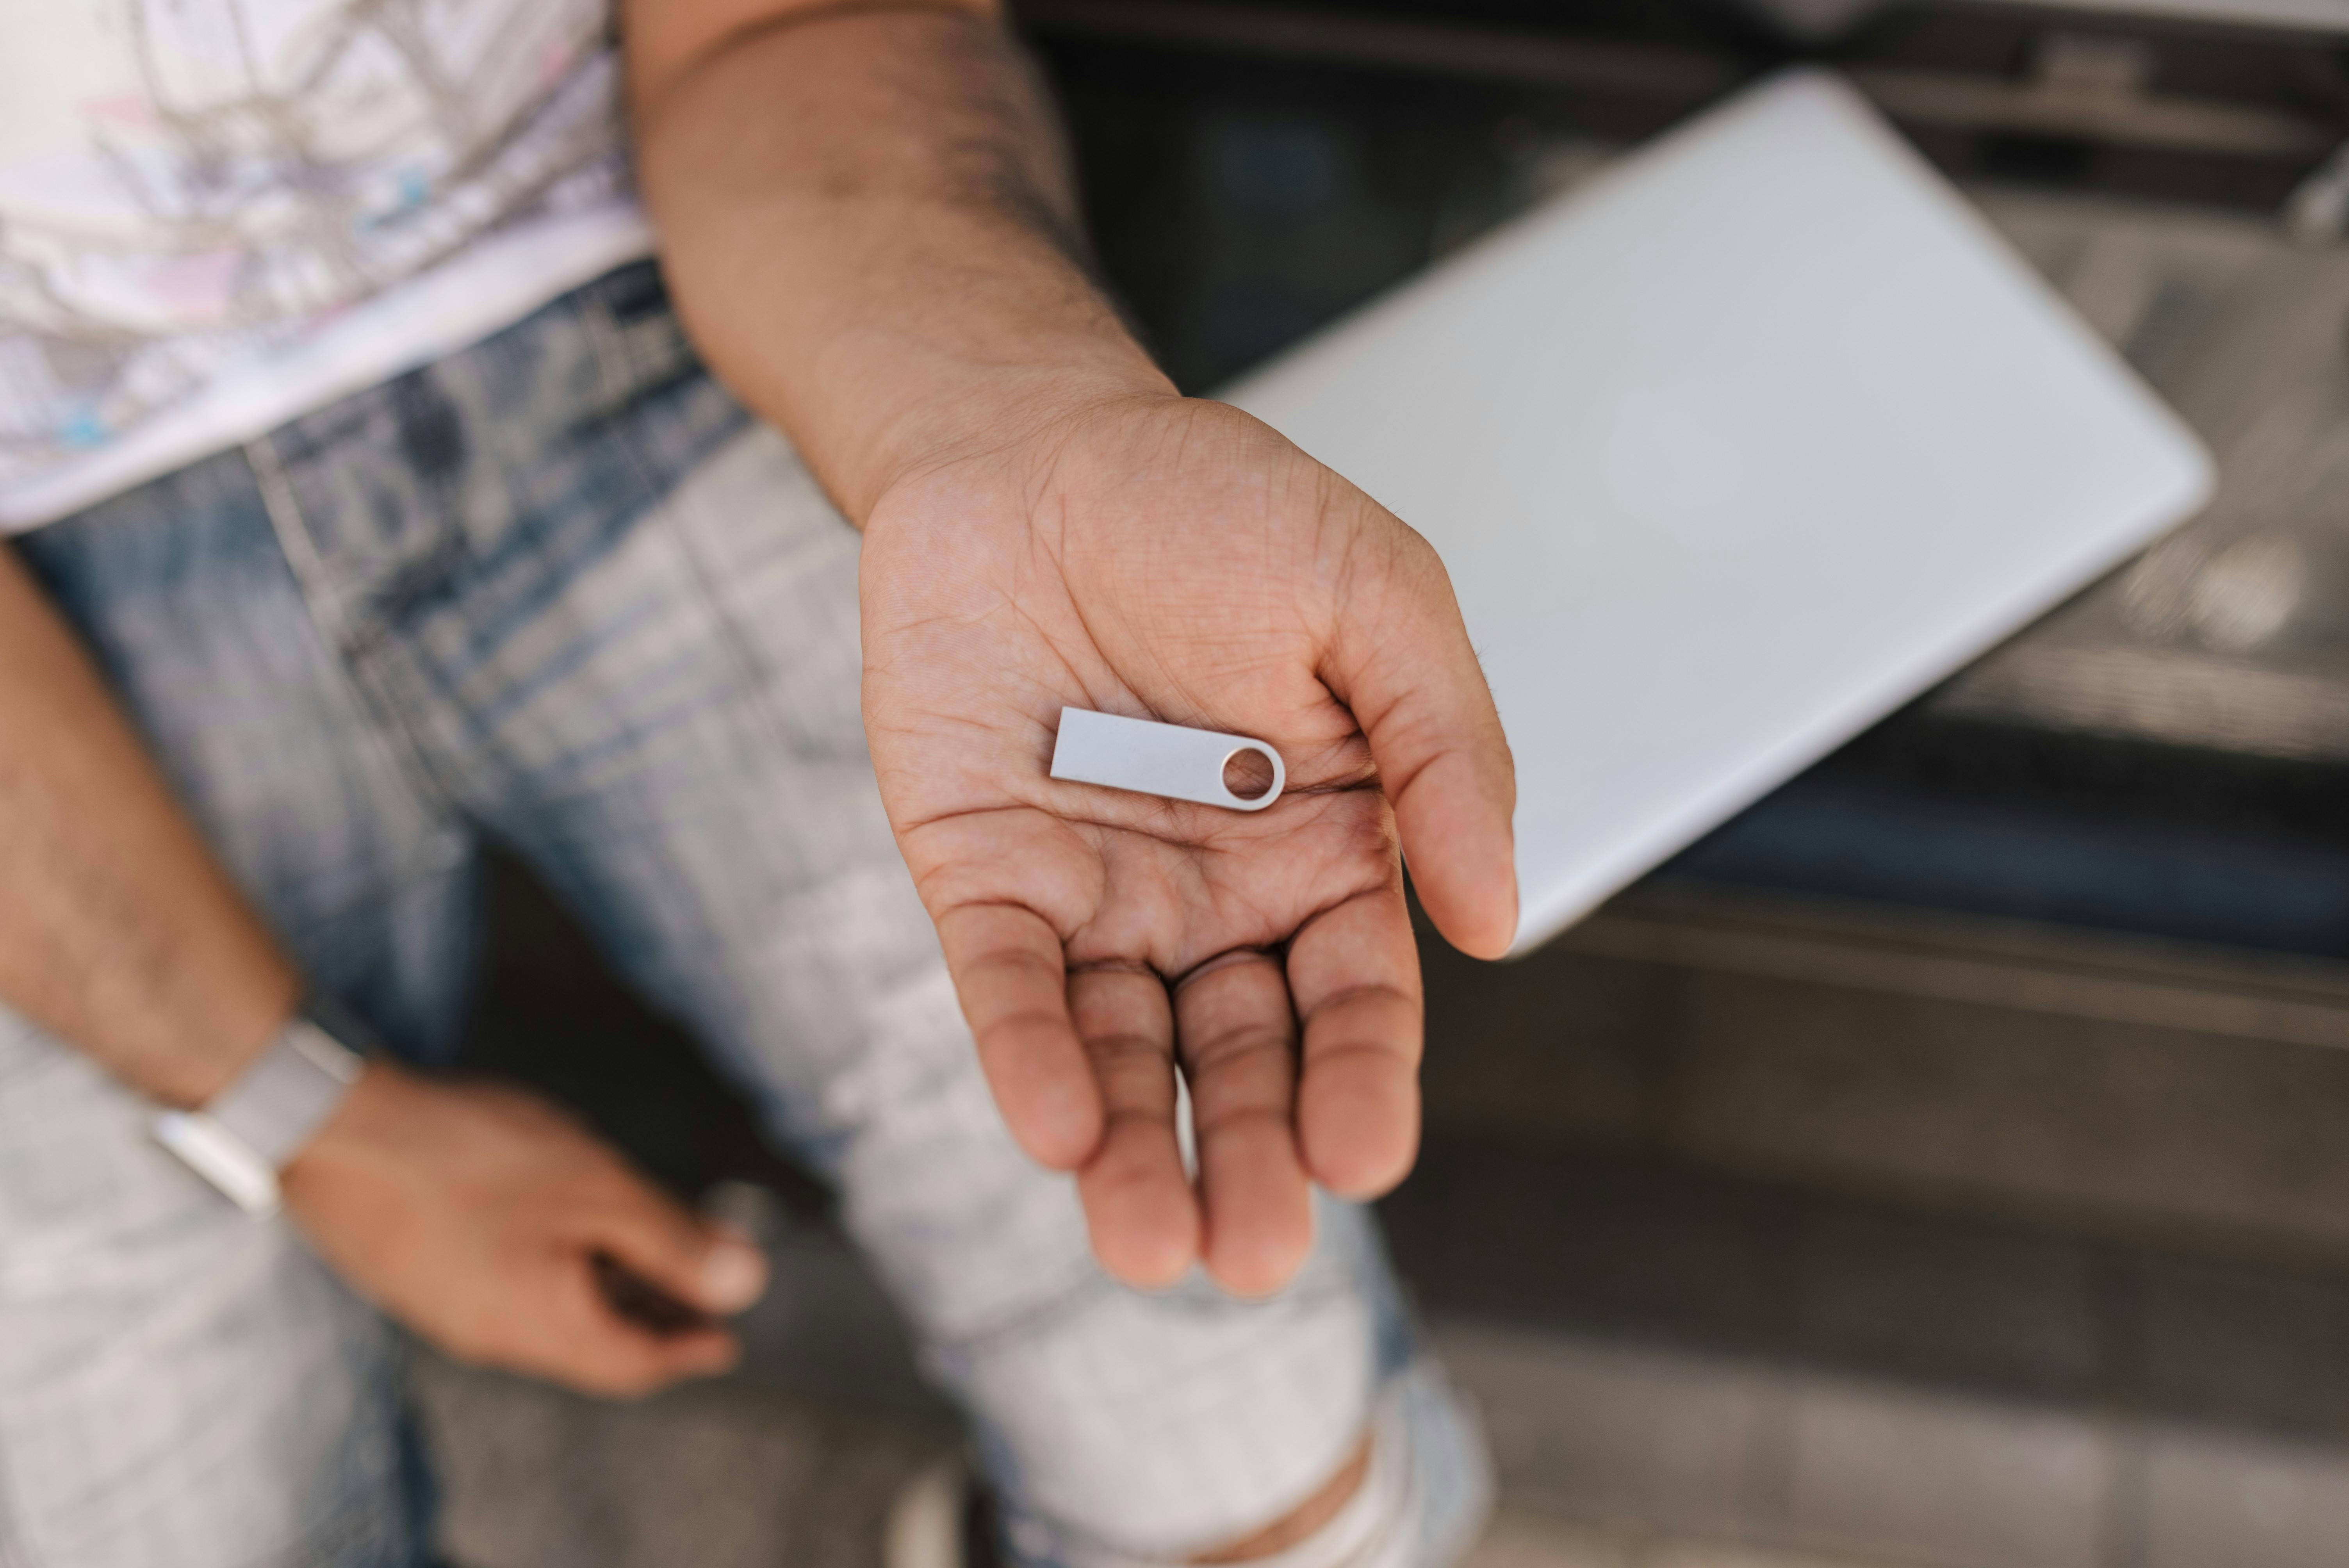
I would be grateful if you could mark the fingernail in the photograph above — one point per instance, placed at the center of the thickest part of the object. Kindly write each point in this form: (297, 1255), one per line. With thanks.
(733, 1276)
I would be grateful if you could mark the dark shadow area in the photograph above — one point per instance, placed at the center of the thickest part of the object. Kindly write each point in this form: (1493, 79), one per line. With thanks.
(550, 1013)
(1618, 1242)
(2071, 828)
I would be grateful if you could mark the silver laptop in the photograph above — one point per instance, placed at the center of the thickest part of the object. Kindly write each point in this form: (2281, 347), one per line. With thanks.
(1729, 454)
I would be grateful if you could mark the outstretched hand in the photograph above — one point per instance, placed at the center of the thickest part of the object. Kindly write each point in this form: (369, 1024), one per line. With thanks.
(1173, 559)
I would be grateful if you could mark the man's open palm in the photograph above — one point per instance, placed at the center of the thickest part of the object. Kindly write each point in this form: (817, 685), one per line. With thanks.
(1176, 560)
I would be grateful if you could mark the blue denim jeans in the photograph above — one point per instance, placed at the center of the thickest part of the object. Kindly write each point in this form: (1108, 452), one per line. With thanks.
(561, 591)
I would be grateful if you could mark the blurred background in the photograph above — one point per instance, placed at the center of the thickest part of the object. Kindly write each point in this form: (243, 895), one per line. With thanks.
(1946, 1163)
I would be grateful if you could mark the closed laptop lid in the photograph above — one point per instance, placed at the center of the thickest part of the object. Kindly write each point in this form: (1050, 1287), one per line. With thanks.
(1729, 453)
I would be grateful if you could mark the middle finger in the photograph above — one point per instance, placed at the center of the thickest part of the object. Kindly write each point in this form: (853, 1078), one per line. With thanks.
(1238, 1042)
(1139, 1204)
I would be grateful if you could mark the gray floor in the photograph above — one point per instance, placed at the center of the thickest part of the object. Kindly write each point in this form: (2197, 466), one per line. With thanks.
(1625, 1432)
(1606, 1458)
(729, 1475)
(1612, 1453)
(1744, 1269)
(719, 1476)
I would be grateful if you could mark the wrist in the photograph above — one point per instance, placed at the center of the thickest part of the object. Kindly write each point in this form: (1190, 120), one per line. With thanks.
(361, 1140)
(382, 1085)
(191, 1047)
(243, 1137)
(1009, 416)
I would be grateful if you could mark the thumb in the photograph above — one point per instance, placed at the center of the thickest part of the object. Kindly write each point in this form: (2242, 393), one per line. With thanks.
(711, 1267)
(1401, 660)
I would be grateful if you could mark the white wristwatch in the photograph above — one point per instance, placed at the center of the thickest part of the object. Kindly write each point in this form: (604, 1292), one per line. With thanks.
(244, 1137)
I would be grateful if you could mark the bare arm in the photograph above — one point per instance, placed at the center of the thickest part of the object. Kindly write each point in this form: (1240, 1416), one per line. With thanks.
(119, 932)
(866, 218)
(474, 1213)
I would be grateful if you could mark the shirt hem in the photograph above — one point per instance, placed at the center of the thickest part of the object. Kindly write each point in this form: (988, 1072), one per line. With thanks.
(493, 284)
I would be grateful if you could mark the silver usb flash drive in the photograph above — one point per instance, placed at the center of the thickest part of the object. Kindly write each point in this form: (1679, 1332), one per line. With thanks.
(1169, 760)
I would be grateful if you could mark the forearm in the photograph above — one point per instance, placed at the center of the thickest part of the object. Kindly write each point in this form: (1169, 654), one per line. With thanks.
(119, 931)
(867, 220)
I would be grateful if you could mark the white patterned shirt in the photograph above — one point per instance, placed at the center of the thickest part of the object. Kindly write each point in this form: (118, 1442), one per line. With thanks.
(215, 214)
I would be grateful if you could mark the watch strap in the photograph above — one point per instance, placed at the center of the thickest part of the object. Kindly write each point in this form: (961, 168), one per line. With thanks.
(248, 1132)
